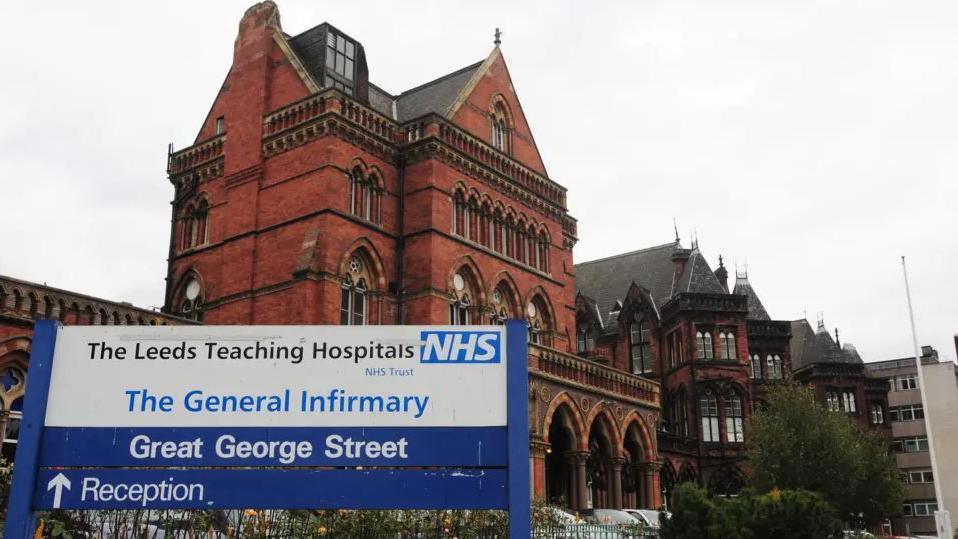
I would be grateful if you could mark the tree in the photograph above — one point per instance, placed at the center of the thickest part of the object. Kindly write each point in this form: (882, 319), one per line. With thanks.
(782, 514)
(795, 443)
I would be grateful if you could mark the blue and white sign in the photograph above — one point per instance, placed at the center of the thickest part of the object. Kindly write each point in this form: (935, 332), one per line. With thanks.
(266, 405)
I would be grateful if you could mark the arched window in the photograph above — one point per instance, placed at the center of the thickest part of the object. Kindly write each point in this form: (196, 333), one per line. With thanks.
(538, 315)
(11, 429)
(727, 345)
(733, 417)
(191, 301)
(543, 247)
(500, 128)
(459, 214)
(354, 294)
(681, 414)
(831, 401)
(703, 342)
(194, 225)
(498, 232)
(508, 237)
(774, 366)
(756, 367)
(365, 195)
(640, 344)
(485, 226)
(501, 305)
(708, 410)
(585, 341)
(460, 308)
(848, 400)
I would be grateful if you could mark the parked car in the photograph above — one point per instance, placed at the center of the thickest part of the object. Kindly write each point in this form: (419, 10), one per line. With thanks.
(649, 517)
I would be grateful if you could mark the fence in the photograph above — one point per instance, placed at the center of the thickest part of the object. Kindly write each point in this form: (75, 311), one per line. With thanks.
(313, 525)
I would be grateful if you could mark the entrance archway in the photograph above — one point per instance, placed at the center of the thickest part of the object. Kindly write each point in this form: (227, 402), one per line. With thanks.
(560, 461)
(602, 470)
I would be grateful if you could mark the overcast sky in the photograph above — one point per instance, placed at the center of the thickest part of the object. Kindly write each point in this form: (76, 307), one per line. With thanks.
(816, 141)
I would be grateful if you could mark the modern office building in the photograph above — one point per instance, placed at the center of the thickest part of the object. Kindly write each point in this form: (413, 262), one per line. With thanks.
(910, 437)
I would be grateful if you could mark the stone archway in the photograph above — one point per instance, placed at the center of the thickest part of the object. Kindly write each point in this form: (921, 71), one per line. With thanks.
(562, 457)
(639, 485)
(603, 465)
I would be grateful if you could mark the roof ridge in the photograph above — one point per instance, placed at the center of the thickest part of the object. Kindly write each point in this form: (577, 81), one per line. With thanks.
(620, 255)
(440, 79)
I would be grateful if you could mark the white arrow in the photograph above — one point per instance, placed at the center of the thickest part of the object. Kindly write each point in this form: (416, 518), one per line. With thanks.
(59, 482)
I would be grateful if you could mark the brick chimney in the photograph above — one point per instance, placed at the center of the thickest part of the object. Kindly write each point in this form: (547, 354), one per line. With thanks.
(680, 257)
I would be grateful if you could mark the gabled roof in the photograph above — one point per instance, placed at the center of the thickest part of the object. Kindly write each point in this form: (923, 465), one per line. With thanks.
(756, 311)
(607, 280)
(434, 96)
(809, 347)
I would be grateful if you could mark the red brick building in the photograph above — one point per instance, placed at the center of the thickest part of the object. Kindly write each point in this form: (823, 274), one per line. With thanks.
(662, 313)
(312, 196)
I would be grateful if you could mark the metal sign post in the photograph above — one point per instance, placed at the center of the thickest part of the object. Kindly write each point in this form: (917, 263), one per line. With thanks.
(401, 418)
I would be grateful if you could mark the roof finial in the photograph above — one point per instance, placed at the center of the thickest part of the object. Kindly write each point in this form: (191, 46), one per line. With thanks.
(821, 320)
(498, 40)
(838, 342)
(676, 227)
(721, 263)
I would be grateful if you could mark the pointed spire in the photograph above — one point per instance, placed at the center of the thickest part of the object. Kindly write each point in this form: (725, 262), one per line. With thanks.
(837, 341)
(821, 321)
(676, 227)
(498, 40)
(721, 263)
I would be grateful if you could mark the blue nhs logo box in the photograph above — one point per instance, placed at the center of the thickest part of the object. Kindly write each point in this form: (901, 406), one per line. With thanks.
(476, 347)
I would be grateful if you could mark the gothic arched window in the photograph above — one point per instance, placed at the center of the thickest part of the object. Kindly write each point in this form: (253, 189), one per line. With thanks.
(460, 308)
(640, 345)
(727, 345)
(354, 294)
(365, 195)
(191, 300)
(756, 367)
(538, 315)
(733, 417)
(500, 128)
(848, 401)
(774, 367)
(501, 305)
(703, 342)
(831, 401)
(708, 410)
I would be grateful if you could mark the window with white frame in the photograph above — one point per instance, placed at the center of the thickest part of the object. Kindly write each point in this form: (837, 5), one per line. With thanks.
(848, 402)
(876, 413)
(640, 337)
(755, 367)
(911, 444)
(708, 410)
(774, 367)
(461, 305)
(727, 345)
(919, 476)
(703, 342)
(904, 382)
(923, 508)
(733, 417)
(832, 402)
(910, 412)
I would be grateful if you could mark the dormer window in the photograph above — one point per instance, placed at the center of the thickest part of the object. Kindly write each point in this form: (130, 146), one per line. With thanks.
(340, 62)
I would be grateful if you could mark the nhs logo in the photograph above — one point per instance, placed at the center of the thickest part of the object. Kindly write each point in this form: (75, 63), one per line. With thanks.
(461, 347)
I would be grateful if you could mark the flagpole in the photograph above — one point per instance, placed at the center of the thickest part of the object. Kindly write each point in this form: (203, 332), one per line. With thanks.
(942, 518)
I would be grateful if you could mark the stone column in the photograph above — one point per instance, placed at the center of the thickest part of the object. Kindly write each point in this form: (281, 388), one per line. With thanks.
(537, 451)
(656, 485)
(581, 483)
(640, 494)
(616, 482)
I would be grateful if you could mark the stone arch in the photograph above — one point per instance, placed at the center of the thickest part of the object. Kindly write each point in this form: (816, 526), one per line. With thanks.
(546, 302)
(498, 104)
(558, 400)
(647, 442)
(603, 412)
(466, 262)
(503, 280)
(183, 306)
(12, 345)
(365, 249)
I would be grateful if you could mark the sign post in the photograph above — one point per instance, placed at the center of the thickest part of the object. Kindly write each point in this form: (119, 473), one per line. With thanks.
(274, 417)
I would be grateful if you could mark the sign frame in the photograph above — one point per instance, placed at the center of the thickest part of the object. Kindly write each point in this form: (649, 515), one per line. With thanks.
(21, 517)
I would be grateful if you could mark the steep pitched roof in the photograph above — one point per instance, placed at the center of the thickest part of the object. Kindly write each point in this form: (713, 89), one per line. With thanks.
(756, 311)
(607, 280)
(808, 347)
(434, 96)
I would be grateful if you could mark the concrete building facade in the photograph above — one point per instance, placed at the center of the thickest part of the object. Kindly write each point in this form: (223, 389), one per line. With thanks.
(907, 415)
